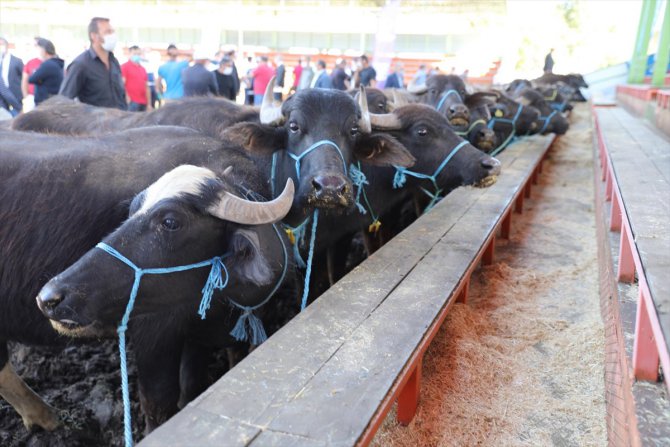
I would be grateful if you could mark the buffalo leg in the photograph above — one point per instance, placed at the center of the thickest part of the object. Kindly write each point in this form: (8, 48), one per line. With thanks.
(158, 364)
(193, 377)
(32, 409)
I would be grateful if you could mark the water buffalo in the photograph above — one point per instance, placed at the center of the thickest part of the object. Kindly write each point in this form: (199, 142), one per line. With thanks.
(509, 118)
(187, 216)
(447, 94)
(573, 80)
(311, 138)
(58, 197)
(440, 154)
(550, 120)
(478, 133)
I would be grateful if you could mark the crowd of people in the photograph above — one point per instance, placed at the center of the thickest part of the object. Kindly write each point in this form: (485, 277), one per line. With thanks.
(97, 77)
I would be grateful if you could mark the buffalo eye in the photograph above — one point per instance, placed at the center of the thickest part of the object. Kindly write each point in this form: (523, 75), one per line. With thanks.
(354, 131)
(422, 131)
(293, 127)
(170, 224)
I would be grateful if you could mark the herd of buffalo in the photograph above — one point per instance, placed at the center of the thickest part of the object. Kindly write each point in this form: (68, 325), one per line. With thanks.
(205, 179)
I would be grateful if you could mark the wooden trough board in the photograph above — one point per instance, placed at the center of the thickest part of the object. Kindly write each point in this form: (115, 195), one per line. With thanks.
(636, 168)
(331, 375)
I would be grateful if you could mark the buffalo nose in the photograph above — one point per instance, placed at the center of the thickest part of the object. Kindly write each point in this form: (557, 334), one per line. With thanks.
(48, 299)
(486, 134)
(492, 165)
(329, 184)
(459, 109)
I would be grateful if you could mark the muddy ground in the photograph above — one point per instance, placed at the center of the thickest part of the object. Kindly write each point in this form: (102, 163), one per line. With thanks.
(522, 363)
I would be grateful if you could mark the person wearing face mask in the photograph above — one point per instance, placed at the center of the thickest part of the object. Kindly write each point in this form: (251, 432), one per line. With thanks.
(135, 79)
(11, 72)
(94, 77)
(49, 76)
(225, 79)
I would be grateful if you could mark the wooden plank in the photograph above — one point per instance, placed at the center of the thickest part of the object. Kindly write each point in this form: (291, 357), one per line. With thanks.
(193, 426)
(347, 391)
(269, 438)
(641, 163)
(256, 391)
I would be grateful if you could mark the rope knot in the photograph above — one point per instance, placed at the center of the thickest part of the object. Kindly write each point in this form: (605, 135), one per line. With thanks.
(399, 178)
(359, 180)
(255, 333)
(215, 280)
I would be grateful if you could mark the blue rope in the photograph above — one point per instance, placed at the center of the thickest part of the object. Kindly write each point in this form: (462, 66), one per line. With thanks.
(401, 177)
(464, 133)
(212, 283)
(512, 134)
(444, 98)
(546, 120)
(258, 334)
(296, 236)
(310, 257)
(359, 180)
(313, 147)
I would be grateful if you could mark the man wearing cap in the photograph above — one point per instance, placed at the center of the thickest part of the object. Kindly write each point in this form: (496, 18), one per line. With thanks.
(197, 80)
(170, 72)
(94, 77)
(49, 75)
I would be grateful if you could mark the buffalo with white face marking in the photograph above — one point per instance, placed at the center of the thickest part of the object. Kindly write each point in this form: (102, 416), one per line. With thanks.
(189, 215)
(59, 196)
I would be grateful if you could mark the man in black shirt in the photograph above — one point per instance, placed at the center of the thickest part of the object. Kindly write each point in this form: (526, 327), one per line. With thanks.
(94, 77)
(339, 77)
(225, 79)
(549, 62)
(367, 74)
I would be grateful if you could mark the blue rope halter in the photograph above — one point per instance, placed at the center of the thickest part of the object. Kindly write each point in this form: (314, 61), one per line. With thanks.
(510, 137)
(359, 180)
(401, 177)
(297, 234)
(464, 133)
(444, 98)
(546, 120)
(214, 281)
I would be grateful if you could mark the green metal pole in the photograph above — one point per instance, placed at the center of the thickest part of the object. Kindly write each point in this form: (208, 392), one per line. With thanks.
(639, 60)
(663, 53)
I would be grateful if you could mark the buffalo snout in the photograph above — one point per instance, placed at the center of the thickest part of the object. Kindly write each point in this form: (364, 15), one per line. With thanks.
(485, 139)
(491, 165)
(458, 115)
(330, 191)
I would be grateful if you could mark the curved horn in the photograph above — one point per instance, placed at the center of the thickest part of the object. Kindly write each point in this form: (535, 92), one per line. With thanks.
(364, 122)
(386, 121)
(248, 212)
(417, 89)
(270, 114)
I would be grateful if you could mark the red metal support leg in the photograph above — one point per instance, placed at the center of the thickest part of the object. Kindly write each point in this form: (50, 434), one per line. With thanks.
(487, 256)
(645, 352)
(526, 190)
(408, 399)
(608, 186)
(626, 271)
(506, 225)
(463, 295)
(615, 214)
(518, 204)
(539, 166)
(534, 177)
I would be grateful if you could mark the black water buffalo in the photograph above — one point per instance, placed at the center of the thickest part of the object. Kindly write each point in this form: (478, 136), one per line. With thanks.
(187, 216)
(573, 80)
(311, 138)
(509, 118)
(58, 197)
(478, 132)
(550, 120)
(439, 153)
(447, 94)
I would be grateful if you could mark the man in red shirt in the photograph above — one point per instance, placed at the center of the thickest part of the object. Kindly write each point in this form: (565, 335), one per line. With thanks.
(262, 75)
(135, 79)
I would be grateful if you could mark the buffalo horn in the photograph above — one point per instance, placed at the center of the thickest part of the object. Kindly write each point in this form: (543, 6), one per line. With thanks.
(385, 121)
(417, 89)
(248, 212)
(364, 122)
(270, 114)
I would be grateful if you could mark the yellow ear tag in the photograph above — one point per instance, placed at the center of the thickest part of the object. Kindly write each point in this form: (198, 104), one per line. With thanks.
(374, 226)
(291, 236)
(499, 113)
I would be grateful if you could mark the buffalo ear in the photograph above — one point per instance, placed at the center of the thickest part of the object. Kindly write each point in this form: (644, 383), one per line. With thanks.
(137, 203)
(247, 261)
(381, 149)
(255, 137)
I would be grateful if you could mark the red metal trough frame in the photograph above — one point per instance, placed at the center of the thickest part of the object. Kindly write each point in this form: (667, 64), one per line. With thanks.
(649, 347)
(408, 386)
